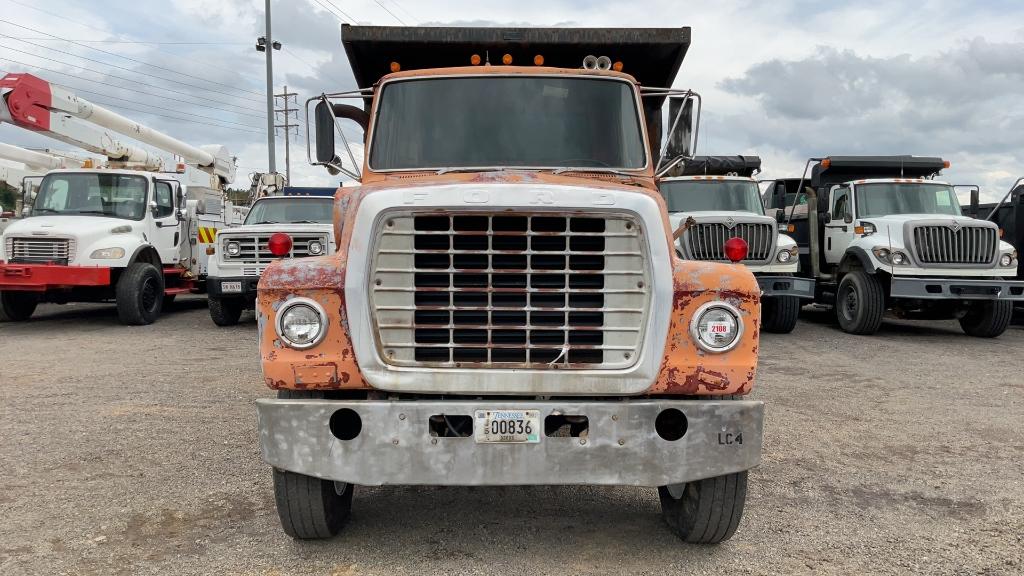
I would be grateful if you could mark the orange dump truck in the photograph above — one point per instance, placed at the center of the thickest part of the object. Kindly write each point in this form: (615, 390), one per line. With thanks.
(505, 306)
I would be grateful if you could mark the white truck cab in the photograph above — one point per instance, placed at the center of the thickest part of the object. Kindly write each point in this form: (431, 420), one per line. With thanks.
(716, 198)
(108, 234)
(883, 233)
(298, 222)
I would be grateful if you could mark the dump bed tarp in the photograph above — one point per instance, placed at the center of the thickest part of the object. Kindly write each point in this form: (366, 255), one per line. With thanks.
(651, 55)
(307, 191)
(846, 168)
(720, 166)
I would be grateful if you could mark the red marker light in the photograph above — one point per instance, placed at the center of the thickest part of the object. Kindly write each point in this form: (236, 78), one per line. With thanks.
(280, 244)
(736, 249)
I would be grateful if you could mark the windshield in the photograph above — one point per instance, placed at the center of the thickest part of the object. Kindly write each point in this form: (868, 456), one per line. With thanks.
(889, 198)
(291, 210)
(92, 193)
(698, 195)
(524, 121)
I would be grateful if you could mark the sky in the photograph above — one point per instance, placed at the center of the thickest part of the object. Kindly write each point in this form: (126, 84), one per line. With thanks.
(785, 80)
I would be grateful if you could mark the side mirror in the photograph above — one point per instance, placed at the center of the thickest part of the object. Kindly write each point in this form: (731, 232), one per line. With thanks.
(780, 215)
(848, 218)
(325, 133)
(826, 218)
(975, 200)
(153, 208)
(26, 212)
(681, 127)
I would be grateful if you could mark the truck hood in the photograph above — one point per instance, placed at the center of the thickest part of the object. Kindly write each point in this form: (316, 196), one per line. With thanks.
(271, 228)
(709, 216)
(901, 219)
(67, 226)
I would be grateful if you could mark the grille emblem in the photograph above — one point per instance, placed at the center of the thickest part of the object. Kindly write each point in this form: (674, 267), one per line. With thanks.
(955, 226)
(730, 222)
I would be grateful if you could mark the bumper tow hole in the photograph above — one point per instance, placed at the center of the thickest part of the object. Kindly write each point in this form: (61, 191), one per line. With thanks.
(566, 426)
(451, 425)
(346, 424)
(670, 424)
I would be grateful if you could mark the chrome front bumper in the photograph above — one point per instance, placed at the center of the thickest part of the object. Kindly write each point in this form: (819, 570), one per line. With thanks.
(621, 447)
(774, 285)
(956, 288)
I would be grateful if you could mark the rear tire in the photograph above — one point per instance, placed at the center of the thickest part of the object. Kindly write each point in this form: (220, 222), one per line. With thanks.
(225, 311)
(779, 314)
(311, 508)
(17, 306)
(705, 511)
(140, 294)
(987, 319)
(860, 303)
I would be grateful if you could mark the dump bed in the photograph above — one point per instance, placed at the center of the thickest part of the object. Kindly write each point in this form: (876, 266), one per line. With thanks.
(719, 166)
(651, 55)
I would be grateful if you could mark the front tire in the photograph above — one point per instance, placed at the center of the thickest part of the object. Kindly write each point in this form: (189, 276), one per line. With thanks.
(140, 294)
(987, 319)
(705, 511)
(17, 306)
(225, 311)
(311, 508)
(779, 314)
(860, 303)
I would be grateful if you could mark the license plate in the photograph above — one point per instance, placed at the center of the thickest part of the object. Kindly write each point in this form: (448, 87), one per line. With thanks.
(507, 426)
(230, 286)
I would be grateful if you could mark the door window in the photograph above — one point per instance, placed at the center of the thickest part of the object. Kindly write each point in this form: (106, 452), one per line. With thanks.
(164, 200)
(840, 203)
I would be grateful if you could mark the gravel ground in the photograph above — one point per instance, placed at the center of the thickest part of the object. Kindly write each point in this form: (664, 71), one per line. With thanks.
(133, 450)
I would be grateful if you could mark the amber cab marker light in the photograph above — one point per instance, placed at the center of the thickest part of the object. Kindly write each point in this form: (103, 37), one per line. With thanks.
(735, 249)
(617, 66)
(945, 163)
(395, 67)
(538, 60)
(826, 162)
(790, 228)
(474, 59)
(858, 229)
(506, 59)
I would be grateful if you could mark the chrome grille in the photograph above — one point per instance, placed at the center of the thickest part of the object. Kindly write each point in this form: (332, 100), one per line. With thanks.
(531, 290)
(39, 250)
(255, 251)
(963, 245)
(707, 241)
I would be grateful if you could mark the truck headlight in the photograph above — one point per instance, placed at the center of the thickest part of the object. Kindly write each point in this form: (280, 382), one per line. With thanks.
(315, 248)
(301, 323)
(898, 258)
(716, 327)
(1006, 260)
(233, 248)
(107, 254)
(786, 255)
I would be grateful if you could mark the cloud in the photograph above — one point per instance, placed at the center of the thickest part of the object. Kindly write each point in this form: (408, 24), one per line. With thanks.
(962, 104)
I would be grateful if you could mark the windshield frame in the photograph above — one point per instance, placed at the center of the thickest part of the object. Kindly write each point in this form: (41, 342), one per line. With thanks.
(704, 181)
(148, 194)
(857, 203)
(326, 199)
(378, 97)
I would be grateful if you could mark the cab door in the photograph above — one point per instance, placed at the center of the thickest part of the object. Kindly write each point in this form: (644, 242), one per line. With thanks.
(165, 231)
(839, 223)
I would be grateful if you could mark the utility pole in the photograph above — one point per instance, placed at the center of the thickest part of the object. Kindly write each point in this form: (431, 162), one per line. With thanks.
(287, 110)
(266, 44)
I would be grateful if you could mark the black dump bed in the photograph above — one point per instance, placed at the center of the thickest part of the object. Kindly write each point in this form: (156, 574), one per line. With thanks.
(846, 168)
(719, 166)
(651, 55)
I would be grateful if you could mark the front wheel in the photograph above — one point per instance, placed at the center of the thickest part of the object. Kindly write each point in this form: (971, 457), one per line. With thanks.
(705, 511)
(987, 319)
(779, 314)
(311, 508)
(860, 303)
(140, 294)
(225, 311)
(17, 306)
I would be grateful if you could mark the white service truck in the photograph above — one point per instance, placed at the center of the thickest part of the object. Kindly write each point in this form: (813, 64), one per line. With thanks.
(299, 222)
(882, 233)
(713, 199)
(129, 232)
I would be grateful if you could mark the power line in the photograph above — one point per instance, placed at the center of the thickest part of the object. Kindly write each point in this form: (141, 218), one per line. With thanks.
(402, 8)
(332, 13)
(181, 119)
(36, 67)
(191, 61)
(312, 68)
(378, 3)
(343, 13)
(91, 41)
(133, 81)
(83, 91)
(131, 60)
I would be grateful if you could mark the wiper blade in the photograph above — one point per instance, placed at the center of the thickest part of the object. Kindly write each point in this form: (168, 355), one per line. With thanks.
(267, 222)
(592, 169)
(49, 210)
(305, 222)
(101, 212)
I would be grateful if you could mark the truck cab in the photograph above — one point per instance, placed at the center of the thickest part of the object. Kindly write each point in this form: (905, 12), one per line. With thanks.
(296, 223)
(108, 234)
(712, 199)
(885, 233)
(506, 306)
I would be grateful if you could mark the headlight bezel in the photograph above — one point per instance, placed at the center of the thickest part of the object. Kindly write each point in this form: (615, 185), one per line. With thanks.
(232, 243)
(790, 253)
(1008, 258)
(319, 251)
(110, 253)
(292, 303)
(695, 326)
